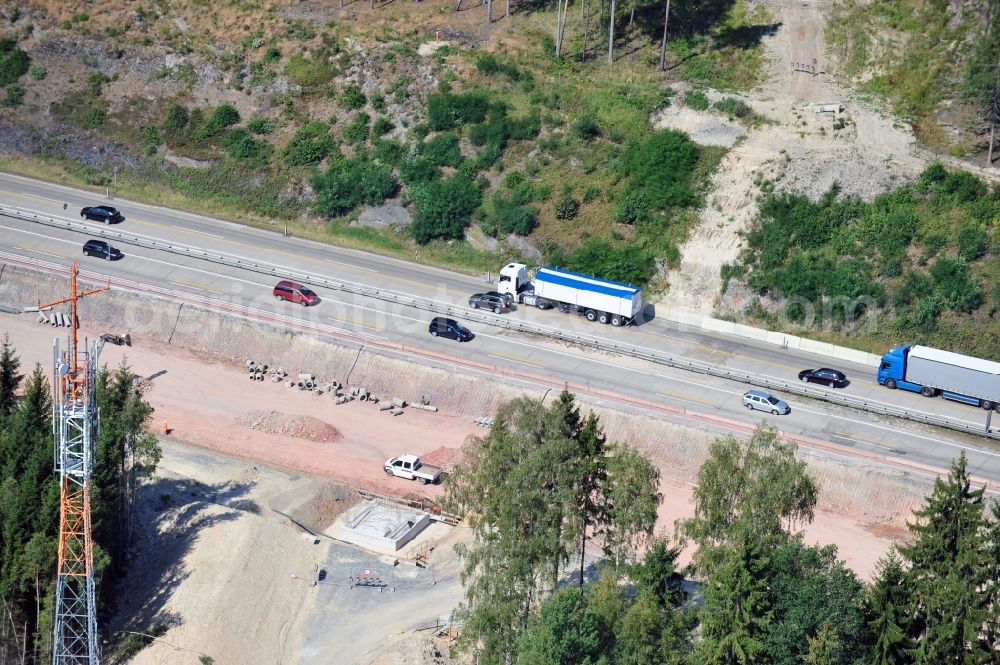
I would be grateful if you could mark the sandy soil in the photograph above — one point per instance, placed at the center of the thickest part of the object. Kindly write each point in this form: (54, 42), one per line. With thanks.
(800, 151)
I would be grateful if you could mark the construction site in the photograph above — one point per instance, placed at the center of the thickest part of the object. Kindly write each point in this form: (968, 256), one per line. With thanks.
(270, 511)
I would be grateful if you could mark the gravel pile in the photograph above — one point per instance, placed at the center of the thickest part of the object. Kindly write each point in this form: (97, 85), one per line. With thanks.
(301, 427)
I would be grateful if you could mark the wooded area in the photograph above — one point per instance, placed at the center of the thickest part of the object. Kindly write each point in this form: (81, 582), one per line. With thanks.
(545, 481)
(29, 497)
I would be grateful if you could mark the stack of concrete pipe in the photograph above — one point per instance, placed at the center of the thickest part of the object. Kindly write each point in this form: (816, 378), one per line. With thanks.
(256, 370)
(484, 422)
(54, 319)
(278, 375)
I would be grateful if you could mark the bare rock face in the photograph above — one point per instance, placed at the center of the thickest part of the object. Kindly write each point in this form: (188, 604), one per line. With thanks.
(525, 247)
(478, 240)
(384, 216)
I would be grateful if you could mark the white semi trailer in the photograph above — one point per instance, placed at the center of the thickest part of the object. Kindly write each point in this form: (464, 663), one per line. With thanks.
(596, 299)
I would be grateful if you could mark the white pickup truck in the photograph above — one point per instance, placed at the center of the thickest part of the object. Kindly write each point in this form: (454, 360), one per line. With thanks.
(409, 466)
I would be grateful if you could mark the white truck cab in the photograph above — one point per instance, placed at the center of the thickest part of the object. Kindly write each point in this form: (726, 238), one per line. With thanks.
(513, 279)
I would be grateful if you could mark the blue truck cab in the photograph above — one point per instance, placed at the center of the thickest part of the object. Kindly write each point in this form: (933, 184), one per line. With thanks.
(892, 370)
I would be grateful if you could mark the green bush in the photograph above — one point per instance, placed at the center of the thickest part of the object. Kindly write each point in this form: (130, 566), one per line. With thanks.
(660, 170)
(13, 95)
(587, 127)
(382, 126)
(567, 207)
(311, 144)
(260, 125)
(505, 216)
(358, 130)
(442, 207)
(446, 110)
(954, 283)
(442, 150)
(388, 152)
(352, 97)
(14, 62)
(632, 208)
(733, 107)
(239, 144)
(417, 170)
(37, 72)
(177, 119)
(696, 99)
(95, 81)
(377, 100)
(223, 116)
(972, 242)
(93, 117)
(631, 264)
(349, 183)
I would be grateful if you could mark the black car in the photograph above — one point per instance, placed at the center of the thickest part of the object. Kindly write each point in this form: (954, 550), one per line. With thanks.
(450, 328)
(490, 300)
(106, 214)
(101, 249)
(831, 377)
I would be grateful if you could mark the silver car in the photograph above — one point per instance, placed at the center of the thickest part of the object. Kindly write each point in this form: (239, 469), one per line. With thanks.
(762, 401)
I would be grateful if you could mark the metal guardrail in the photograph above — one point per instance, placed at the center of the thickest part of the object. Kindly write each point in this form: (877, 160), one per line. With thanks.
(479, 316)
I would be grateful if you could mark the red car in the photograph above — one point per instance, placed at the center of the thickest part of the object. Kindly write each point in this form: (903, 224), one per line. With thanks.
(296, 293)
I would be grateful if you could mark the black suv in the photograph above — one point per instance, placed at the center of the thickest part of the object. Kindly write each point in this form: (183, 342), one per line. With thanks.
(450, 328)
(101, 249)
(490, 300)
(105, 214)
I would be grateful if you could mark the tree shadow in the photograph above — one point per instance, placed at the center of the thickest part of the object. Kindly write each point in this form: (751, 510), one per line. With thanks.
(170, 515)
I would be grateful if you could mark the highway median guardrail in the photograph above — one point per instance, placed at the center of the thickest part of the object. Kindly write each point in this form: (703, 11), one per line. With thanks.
(508, 323)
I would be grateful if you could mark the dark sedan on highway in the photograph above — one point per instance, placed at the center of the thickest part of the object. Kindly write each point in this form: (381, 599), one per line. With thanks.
(830, 377)
(106, 214)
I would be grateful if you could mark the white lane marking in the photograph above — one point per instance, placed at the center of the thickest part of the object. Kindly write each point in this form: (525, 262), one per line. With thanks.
(43, 198)
(352, 266)
(515, 360)
(196, 286)
(354, 323)
(184, 228)
(42, 251)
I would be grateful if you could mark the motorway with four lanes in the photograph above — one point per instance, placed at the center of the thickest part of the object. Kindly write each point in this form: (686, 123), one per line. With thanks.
(552, 362)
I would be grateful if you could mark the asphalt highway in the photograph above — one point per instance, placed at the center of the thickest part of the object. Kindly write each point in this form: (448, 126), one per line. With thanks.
(543, 360)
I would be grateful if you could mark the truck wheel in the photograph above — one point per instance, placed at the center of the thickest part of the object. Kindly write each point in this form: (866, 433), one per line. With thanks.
(591, 315)
(986, 404)
(616, 321)
(540, 304)
(604, 318)
(422, 481)
(927, 391)
(996, 407)
(890, 384)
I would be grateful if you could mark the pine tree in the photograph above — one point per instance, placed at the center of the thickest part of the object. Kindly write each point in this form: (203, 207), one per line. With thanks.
(736, 606)
(823, 648)
(888, 604)
(948, 572)
(10, 379)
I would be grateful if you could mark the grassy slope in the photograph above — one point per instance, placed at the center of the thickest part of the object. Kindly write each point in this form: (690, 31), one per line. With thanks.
(620, 97)
(913, 53)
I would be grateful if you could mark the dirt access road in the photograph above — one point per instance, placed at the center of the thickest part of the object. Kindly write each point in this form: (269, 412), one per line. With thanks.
(799, 150)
